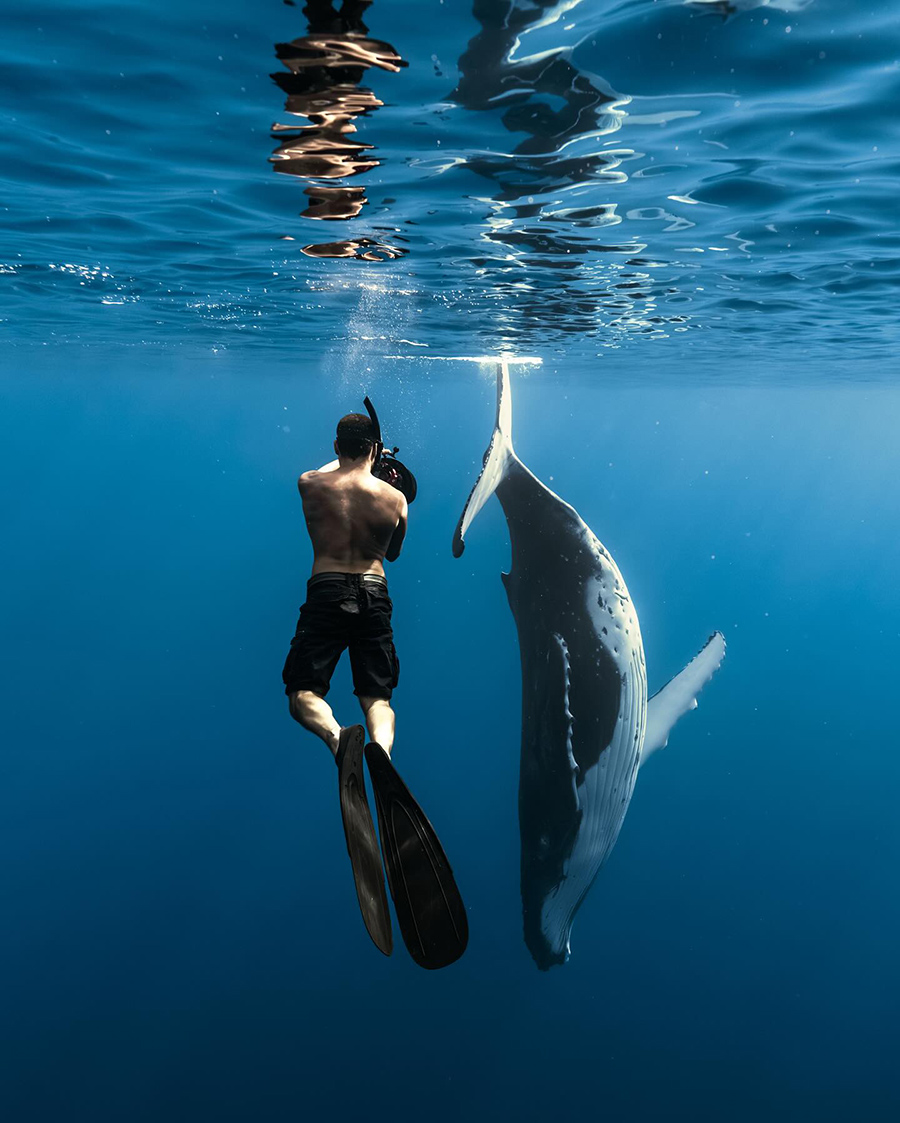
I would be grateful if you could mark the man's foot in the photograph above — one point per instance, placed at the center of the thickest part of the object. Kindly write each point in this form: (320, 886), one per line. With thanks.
(380, 721)
(348, 739)
(387, 752)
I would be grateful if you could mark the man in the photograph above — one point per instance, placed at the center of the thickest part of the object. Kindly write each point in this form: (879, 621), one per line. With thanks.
(355, 521)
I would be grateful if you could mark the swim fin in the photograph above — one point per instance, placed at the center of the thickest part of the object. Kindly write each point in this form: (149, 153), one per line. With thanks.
(362, 845)
(430, 911)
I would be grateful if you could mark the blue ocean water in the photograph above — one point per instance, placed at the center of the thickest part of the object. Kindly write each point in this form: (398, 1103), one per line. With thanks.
(686, 213)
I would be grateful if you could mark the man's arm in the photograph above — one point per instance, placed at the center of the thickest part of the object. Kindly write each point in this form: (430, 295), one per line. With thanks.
(396, 543)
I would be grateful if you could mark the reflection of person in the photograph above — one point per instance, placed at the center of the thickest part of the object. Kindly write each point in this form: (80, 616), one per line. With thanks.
(325, 69)
(355, 521)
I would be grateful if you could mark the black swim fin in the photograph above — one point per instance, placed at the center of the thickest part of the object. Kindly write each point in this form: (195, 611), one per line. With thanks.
(430, 911)
(362, 845)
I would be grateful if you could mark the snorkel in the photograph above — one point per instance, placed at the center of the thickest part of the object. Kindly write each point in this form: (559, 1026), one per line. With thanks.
(387, 467)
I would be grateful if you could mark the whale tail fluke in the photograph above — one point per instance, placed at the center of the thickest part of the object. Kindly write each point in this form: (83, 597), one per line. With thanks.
(679, 695)
(497, 460)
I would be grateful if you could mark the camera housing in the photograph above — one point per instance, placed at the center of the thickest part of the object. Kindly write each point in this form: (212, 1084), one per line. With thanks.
(387, 467)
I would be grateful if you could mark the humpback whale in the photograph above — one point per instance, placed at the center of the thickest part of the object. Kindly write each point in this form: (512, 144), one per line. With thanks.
(587, 723)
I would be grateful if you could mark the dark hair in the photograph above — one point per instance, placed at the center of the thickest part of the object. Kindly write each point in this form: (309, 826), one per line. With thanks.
(355, 435)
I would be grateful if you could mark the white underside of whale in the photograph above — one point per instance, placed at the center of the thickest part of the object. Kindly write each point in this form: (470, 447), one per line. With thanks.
(606, 789)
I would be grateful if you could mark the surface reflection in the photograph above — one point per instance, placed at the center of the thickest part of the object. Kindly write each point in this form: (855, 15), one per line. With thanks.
(552, 195)
(324, 69)
(730, 7)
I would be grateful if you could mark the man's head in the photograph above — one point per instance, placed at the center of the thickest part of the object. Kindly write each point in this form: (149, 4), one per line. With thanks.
(356, 437)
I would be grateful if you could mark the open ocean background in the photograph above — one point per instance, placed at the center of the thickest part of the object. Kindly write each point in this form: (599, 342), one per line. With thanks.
(688, 213)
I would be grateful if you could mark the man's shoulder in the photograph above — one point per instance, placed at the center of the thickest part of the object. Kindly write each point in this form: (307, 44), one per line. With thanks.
(309, 479)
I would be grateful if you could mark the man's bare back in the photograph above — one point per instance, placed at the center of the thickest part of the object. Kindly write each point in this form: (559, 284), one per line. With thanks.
(354, 520)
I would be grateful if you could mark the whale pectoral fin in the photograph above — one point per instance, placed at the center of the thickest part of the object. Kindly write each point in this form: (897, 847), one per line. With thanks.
(680, 694)
(497, 459)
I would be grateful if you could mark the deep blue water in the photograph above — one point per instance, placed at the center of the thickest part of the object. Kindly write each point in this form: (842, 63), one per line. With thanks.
(717, 397)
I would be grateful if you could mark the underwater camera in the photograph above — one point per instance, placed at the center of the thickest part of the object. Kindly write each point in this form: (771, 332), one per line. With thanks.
(387, 467)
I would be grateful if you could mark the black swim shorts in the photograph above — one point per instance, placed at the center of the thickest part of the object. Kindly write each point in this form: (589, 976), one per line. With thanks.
(344, 610)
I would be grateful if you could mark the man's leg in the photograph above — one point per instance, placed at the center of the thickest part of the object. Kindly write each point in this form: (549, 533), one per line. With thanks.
(314, 714)
(380, 721)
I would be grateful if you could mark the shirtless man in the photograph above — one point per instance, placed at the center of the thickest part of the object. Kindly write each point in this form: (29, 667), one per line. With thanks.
(355, 521)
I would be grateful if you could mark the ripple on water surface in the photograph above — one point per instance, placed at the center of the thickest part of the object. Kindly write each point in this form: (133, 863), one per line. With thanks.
(540, 176)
